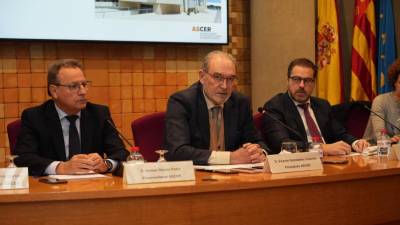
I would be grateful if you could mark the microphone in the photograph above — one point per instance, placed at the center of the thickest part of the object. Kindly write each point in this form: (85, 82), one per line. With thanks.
(119, 170)
(119, 133)
(265, 112)
(376, 114)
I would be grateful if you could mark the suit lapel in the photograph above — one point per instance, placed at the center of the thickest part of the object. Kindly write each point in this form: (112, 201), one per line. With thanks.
(54, 126)
(230, 116)
(296, 116)
(203, 120)
(87, 130)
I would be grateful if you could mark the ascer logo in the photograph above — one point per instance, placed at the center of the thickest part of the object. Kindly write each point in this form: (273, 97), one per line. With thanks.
(201, 29)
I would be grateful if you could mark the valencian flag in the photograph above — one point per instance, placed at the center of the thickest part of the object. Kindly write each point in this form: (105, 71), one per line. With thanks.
(386, 44)
(330, 76)
(363, 69)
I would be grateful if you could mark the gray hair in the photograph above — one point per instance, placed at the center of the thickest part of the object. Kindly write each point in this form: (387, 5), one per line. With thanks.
(206, 61)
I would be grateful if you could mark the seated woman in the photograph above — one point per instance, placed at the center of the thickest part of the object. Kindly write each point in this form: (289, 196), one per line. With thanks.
(387, 105)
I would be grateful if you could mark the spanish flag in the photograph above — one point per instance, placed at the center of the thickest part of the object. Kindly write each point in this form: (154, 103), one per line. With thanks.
(330, 76)
(363, 70)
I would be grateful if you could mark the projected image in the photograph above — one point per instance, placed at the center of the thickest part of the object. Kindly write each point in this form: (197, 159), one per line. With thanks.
(208, 11)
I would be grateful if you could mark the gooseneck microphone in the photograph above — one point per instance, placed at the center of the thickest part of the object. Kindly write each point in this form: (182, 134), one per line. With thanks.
(119, 133)
(266, 113)
(376, 114)
(120, 168)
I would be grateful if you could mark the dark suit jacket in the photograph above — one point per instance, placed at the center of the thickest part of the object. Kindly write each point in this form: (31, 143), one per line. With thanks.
(41, 140)
(282, 107)
(187, 129)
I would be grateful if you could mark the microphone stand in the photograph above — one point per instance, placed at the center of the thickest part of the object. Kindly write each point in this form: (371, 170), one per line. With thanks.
(265, 112)
(376, 114)
(120, 168)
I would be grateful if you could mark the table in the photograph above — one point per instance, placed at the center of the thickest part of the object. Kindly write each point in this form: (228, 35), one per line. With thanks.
(364, 191)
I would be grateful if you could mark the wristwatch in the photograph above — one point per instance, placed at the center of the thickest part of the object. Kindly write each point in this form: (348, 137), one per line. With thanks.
(108, 164)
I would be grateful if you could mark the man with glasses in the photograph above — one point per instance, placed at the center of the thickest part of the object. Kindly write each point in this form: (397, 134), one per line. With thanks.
(210, 123)
(311, 117)
(68, 134)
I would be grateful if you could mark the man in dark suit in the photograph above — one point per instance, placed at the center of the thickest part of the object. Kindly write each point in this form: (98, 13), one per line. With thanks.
(311, 117)
(210, 123)
(67, 134)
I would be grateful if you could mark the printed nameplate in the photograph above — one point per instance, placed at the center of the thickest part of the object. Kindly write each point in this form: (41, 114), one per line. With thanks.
(14, 178)
(394, 153)
(284, 163)
(158, 172)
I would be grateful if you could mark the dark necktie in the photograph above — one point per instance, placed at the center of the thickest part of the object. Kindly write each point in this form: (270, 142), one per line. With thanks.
(74, 143)
(312, 127)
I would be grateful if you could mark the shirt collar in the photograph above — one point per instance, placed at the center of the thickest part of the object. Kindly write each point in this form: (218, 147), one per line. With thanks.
(209, 103)
(62, 114)
(296, 103)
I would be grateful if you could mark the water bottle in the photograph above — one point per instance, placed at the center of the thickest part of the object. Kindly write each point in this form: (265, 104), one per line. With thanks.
(383, 143)
(135, 157)
(316, 146)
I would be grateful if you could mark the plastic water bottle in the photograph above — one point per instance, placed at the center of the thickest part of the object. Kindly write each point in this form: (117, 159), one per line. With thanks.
(383, 143)
(316, 146)
(135, 157)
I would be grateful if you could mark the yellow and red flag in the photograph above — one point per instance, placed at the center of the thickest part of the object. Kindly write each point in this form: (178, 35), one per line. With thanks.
(363, 62)
(330, 76)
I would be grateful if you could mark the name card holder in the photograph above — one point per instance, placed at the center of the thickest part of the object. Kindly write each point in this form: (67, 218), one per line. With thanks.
(14, 178)
(158, 172)
(284, 163)
(394, 153)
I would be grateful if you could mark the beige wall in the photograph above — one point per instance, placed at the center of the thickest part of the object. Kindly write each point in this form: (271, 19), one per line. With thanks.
(281, 30)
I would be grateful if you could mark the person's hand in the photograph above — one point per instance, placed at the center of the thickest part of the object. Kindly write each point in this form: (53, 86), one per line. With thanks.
(80, 163)
(360, 145)
(337, 148)
(255, 151)
(99, 165)
(395, 139)
(249, 153)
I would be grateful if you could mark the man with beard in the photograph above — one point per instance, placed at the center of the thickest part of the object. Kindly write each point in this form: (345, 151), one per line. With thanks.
(67, 134)
(311, 117)
(210, 123)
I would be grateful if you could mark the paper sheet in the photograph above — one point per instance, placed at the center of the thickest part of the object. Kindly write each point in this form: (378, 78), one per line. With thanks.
(82, 176)
(236, 166)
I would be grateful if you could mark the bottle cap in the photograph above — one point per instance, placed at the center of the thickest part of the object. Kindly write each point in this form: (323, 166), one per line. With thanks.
(134, 148)
(316, 139)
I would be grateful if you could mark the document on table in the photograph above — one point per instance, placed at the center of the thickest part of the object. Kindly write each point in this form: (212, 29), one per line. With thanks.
(371, 150)
(80, 176)
(228, 167)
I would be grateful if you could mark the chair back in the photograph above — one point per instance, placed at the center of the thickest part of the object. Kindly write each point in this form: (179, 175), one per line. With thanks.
(258, 123)
(257, 120)
(353, 116)
(148, 133)
(13, 130)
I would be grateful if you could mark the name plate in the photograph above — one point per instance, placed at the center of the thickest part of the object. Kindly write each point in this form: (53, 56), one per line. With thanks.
(158, 172)
(284, 163)
(14, 178)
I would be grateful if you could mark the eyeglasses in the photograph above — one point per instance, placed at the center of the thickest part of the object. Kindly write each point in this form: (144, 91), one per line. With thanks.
(219, 78)
(298, 80)
(76, 86)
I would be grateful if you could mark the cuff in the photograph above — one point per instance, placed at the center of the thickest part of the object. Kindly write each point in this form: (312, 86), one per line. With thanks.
(51, 169)
(353, 145)
(219, 157)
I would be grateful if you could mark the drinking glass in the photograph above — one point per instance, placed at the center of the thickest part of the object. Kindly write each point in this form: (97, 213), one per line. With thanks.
(289, 146)
(161, 152)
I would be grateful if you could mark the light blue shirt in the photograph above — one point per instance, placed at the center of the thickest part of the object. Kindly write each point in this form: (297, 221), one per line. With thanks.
(51, 169)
